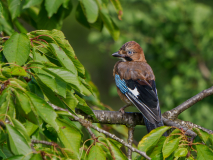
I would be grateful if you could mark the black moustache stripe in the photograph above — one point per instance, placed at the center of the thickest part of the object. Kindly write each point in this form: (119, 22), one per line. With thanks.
(128, 58)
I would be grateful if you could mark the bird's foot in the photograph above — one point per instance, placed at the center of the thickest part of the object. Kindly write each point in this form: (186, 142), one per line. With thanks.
(122, 109)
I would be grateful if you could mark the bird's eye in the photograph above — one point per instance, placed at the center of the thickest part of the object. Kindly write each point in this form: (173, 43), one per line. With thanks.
(130, 52)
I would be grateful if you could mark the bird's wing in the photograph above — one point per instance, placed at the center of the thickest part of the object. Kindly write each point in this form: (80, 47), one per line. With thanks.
(143, 95)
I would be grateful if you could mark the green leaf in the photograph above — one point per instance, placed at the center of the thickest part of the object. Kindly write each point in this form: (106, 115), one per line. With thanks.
(18, 143)
(211, 138)
(90, 9)
(5, 21)
(108, 22)
(158, 147)
(23, 101)
(59, 37)
(36, 157)
(1, 10)
(152, 138)
(19, 126)
(158, 157)
(181, 152)
(66, 76)
(170, 147)
(30, 3)
(2, 154)
(70, 136)
(80, 17)
(18, 71)
(71, 101)
(118, 7)
(204, 153)
(52, 6)
(64, 60)
(53, 83)
(115, 151)
(45, 111)
(44, 22)
(82, 105)
(30, 127)
(15, 8)
(48, 81)
(22, 85)
(7, 108)
(17, 48)
(96, 153)
(202, 134)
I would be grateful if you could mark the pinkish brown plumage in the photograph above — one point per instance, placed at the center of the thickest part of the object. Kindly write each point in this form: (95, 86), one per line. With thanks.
(135, 83)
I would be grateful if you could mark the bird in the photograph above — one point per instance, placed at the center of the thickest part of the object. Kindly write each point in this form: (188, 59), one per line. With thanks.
(135, 82)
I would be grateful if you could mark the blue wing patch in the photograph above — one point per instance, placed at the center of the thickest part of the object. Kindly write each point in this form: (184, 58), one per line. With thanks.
(121, 84)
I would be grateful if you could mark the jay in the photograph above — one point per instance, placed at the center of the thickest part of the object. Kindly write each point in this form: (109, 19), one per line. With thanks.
(135, 83)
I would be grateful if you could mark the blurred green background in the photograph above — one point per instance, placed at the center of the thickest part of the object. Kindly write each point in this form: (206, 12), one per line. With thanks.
(177, 39)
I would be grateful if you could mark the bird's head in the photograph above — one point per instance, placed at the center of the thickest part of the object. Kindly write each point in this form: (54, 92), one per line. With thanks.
(130, 51)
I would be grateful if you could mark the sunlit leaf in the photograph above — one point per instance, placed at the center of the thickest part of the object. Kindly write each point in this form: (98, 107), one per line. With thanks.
(181, 152)
(152, 138)
(170, 147)
(96, 153)
(203, 152)
(64, 60)
(52, 6)
(17, 48)
(65, 75)
(115, 151)
(202, 134)
(90, 10)
(18, 71)
(15, 7)
(20, 127)
(18, 143)
(70, 136)
(23, 101)
(29, 3)
(82, 105)
(45, 111)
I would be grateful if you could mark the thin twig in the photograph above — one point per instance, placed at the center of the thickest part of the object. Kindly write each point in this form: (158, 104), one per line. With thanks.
(43, 142)
(173, 114)
(85, 123)
(91, 133)
(130, 140)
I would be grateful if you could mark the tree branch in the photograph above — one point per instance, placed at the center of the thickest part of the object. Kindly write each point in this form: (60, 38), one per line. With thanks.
(130, 140)
(136, 118)
(88, 123)
(173, 114)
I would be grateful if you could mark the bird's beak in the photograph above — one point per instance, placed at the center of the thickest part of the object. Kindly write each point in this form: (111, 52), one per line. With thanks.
(116, 54)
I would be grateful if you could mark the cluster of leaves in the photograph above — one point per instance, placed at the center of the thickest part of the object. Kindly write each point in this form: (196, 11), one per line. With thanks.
(39, 68)
(177, 145)
(176, 37)
(49, 14)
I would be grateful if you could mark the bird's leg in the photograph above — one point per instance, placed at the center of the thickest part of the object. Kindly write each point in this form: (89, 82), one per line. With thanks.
(122, 109)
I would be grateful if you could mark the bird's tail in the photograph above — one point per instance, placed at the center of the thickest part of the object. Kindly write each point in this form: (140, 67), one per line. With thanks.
(151, 126)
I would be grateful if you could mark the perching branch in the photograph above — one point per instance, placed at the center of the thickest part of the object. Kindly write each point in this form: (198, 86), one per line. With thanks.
(130, 140)
(88, 123)
(136, 118)
(173, 114)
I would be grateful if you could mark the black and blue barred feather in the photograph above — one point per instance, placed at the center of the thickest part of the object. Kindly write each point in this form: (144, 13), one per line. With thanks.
(144, 96)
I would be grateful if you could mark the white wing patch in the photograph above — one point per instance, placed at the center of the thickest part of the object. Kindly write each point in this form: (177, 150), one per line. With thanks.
(134, 91)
